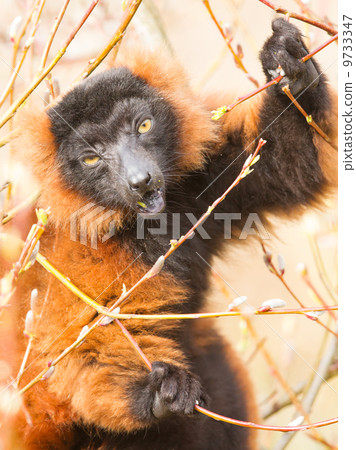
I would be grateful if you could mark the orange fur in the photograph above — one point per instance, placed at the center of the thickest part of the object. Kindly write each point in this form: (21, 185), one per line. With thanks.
(92, 391)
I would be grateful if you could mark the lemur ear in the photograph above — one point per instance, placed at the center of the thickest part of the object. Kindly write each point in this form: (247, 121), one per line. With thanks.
(35, 144)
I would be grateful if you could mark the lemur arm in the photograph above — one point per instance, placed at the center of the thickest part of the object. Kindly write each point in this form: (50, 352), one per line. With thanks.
(297, 165)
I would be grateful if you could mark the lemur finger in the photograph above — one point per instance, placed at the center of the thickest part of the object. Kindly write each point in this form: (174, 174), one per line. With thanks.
(284, 49)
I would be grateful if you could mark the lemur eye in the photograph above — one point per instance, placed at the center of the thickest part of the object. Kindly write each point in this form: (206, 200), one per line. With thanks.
(145, 126)
(90, 161)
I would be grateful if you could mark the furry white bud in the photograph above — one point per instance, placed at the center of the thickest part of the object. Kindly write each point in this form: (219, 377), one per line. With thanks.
(82, 333)
(301, 268)
(34, 297)
(234, 305)
(281, 264)
(29, 323)
(33, 256)
(48, 374)
(157, 267)
(274, 303)
(296, 422)
(108, 319)
(14, 28)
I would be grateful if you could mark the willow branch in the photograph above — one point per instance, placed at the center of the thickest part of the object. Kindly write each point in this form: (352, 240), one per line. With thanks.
(318, 380)
(272, 365)
(102, 310)
(321, 47)
(135, 345)
(25, 50)
(308, 117)
(281, 379)
(52, 35)
(9, 215)
(293, 15)
(272, 268)
(265, 427)
(237, 58)
(310, 284)
(24, 361)
(40, 77)
(130, 11)
(321, 267)
(5, 140)
(16, 39)
(25, 259)
(224, 109)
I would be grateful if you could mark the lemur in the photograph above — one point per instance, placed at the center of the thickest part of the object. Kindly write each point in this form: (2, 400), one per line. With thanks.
(135, 139)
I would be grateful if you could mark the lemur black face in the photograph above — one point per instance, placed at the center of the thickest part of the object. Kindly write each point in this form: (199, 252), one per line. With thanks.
(117, 141)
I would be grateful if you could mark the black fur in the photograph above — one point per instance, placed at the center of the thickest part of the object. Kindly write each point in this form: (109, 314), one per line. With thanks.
(104, 113)
(100, 117)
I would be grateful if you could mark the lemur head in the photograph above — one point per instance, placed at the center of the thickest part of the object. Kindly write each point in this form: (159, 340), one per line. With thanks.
(117, 141)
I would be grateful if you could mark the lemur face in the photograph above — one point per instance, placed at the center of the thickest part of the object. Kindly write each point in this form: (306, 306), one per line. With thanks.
(117, 141)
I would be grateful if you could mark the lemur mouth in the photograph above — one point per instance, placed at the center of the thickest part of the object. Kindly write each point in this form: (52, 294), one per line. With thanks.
(152, 202)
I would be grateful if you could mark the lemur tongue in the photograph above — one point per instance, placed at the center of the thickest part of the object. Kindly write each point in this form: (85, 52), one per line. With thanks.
(152, 203)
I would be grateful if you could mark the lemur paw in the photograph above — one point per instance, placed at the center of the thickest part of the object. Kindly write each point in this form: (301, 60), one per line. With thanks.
(284, 49)
(169, 389)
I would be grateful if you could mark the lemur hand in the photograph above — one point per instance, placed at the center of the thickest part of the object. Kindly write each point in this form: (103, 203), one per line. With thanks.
(285, 48)
(168, 389)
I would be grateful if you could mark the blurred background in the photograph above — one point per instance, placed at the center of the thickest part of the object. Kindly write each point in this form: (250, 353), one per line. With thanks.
(292, 345)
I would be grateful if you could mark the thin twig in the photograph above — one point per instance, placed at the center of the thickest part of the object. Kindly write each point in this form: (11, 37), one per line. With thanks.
(8, 137)
(310, 284)
(297, 16)
(272, 268)
(27, 46)
(281, 379)
(321, 47)
(130, 11)
(24, 361)
(24, 261)
(237, 58)
(52, 35)
(17, 40)
(283, 402)
(102, 310)
(240, 423)
(225, 109)
(40, 77)
(134, 345)
(9, 215)
(318, 380)
(308, 117)
(321, 267)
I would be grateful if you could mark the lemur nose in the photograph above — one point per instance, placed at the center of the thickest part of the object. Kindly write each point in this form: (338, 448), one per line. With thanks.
(139, 181)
